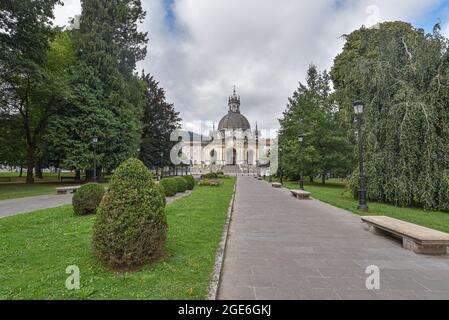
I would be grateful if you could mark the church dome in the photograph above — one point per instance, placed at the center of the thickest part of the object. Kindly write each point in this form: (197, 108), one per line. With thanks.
(234, 121)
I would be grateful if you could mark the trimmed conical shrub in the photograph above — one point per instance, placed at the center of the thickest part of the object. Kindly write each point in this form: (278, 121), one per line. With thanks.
(169, 186)
(131, 225)
(87, 199)
(181, 184)
(190, 182)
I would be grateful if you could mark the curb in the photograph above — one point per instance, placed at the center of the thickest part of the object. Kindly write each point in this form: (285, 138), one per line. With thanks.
(219, 259)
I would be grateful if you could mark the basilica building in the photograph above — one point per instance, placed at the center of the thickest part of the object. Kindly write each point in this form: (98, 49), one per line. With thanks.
(232, 144)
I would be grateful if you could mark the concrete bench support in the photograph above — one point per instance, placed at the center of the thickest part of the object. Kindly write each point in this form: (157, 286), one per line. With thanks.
(66, 190)
(418, 239)
(276, 185)
(301, 194)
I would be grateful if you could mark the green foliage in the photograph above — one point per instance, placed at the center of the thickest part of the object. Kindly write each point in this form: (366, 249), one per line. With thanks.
(71, 130)
(108, 97)
(12, 142)
(131, 226)
(190, 180)
(170, 187)
(210, 175)
(61, 56)
(402, 76)
(209, 183)
(29, 88)
(159, 121)
(312, 112)
(87, 199)
(181, 184)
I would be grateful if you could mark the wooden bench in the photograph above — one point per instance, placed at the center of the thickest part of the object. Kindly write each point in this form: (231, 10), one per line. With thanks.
(301, 194)
(276, 185)
(5, 179)
(65, 190)
(418, 239)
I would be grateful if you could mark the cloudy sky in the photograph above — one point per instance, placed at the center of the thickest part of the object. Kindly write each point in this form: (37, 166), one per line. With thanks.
(200, 49)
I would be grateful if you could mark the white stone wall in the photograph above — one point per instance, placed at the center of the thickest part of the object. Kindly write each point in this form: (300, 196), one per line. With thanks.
(219, 154)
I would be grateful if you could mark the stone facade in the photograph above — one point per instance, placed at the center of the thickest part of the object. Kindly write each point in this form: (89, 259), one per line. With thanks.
(234, 143)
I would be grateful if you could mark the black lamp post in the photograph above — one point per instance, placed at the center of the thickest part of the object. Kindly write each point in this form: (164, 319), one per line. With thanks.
(358, 109)
(281, 178)
(247, 162)
(162, 166)
(301, 147)
(94, 142)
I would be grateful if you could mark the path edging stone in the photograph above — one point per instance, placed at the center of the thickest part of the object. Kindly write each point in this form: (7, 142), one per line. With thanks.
(219, 259)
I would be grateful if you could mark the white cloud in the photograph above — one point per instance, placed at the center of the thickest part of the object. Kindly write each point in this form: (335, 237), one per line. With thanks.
(263, 47)
(68, 10)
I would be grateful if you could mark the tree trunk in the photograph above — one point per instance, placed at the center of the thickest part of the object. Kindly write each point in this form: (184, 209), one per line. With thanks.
(30, 166)
(39, 173)
(30, 176)
(311, 179)
(21, 171)
(99, 172)
(323, 179)
(89, 175)
(77, 175)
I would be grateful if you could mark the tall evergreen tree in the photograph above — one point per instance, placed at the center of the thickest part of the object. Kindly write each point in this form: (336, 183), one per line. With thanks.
(312, 112)
(109, 46)
(159, 121)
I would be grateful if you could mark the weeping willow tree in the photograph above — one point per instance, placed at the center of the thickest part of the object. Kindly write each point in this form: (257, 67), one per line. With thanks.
(401, 74)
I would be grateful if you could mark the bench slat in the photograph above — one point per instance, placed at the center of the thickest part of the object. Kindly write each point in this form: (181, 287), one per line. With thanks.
(65, 190)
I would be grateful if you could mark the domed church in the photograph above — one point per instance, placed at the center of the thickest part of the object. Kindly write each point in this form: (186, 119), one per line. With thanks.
(234, 120)
(232, 144)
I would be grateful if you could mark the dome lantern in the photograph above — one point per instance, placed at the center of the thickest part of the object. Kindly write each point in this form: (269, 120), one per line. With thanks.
(234, 120)
(234, 103)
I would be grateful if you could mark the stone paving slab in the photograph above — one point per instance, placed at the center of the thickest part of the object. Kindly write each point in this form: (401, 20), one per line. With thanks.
(283, 248)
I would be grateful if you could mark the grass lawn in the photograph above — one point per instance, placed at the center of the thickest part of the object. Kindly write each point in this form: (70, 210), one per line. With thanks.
(47, 176)
(22, 190)
(36, 249)
(19, 189)
(335, 194)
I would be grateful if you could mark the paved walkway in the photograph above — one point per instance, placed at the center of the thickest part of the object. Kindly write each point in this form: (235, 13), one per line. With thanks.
(24, 205)
(283, 248)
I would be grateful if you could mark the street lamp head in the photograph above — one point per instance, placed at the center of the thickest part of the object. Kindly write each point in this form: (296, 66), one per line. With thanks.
(301, 138)
(358, 107)
(95, 139)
